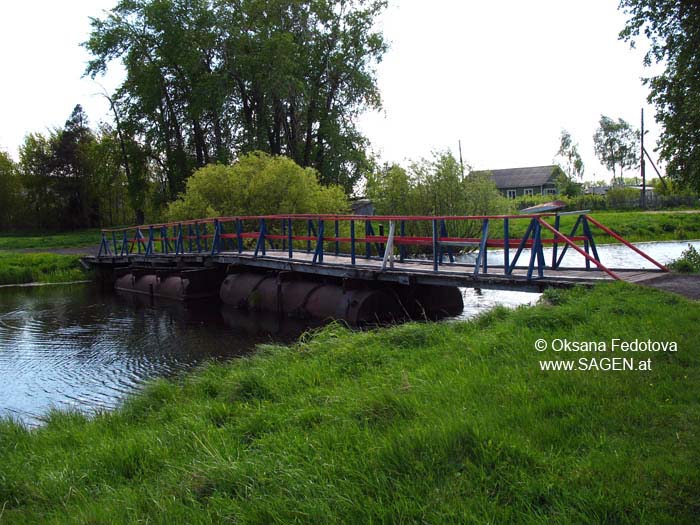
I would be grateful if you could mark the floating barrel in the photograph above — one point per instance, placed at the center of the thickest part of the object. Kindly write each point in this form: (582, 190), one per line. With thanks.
(179, 285)
(356, 305)
(310, 299)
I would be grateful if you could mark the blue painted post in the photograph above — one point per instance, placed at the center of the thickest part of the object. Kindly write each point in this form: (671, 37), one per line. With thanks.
(587, 232)
(190, 234)
(484, 241)
(523, 241)
(352, 242)
(149, 246)
(557, 219)
(263, 233)
(336, 231)
(402, 247)
(308, 235)
(239, 231)
(368, 245)
(199, 243)
(318, 254)
(289, 237)
(204, 236)
(380, 246)
(586, 249)
(435, 246)
(180, 240)
(104, 247)
(284, 232)
(533, 250)
(125, 245)
(163, 235)
(506, 246)
(566, 246)
(481, 257)
(139, 236)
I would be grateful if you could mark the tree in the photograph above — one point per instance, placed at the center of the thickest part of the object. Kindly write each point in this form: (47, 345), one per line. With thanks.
(672, 28)
(9, 191)
(208, 80)
(569, 156)
(616, 145)
(257, 184)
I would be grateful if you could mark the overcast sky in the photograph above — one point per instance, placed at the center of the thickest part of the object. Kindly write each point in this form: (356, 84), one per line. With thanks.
(504, 77)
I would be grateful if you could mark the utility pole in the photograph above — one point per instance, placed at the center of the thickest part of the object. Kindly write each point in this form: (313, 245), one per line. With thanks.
(461, 164)
(641, 165)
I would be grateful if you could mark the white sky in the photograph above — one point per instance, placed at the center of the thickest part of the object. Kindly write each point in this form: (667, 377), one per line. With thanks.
(503, 76)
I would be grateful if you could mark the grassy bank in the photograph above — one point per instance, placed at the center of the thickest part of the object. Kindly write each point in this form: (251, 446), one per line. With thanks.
(38, 240)
(20, 268)
(635, 226)
(432, 423)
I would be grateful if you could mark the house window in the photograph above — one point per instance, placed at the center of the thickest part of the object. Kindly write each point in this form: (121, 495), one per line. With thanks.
(511, 194)
(549, 191)
(528, 192)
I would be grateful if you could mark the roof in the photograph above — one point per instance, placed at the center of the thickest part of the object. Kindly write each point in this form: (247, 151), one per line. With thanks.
(523, 177)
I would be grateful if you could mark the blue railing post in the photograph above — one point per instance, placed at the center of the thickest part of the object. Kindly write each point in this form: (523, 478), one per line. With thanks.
(336, 231)
(239, 233)
(368, 245)
(308, 235)
(149, 246)
(284, 232)
(381, 246)
(290, 238)
(205, 237)
(435, 246)
(190, 234)
(402, 247)
(139, 238)
(566, 246)
(125, 244)
(587, 232)
(318, 254)
(522, 244)
(198, 237)
(555, 244)
(352, 242)
(216, 241)
(506, 246)
(104, 247)
(481, 258)
(260, 246)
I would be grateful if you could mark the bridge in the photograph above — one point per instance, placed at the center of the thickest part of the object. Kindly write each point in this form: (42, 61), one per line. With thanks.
(405, 250)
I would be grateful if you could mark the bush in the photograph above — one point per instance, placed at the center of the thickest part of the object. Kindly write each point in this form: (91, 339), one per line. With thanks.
(688, 262)
(257, 184)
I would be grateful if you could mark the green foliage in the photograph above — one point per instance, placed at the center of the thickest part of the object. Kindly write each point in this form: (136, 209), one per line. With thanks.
(419, 423)
(256, 184)
(570, 157)
(9, 191)
(688, 262)
(619, 195)
(434, 186)
(672, 29)
(616, 144)
(206, 80)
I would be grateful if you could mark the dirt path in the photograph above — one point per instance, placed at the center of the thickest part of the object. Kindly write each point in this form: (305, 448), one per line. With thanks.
(682, 284)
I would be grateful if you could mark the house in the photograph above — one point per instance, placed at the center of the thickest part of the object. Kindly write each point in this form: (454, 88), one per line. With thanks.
(519, 182)
(362, 206)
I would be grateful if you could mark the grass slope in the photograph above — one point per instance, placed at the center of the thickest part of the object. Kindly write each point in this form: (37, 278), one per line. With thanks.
(74, 239)
(20, 268)
(450, 422)
(634, 226)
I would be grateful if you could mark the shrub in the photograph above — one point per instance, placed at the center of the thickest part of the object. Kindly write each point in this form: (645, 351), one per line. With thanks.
(257, 184)
(688, 262)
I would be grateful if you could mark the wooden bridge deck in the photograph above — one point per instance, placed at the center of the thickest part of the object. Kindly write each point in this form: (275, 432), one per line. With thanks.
(408, 272)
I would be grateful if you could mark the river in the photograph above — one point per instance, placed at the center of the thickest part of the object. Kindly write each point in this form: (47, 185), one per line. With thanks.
(76, 347)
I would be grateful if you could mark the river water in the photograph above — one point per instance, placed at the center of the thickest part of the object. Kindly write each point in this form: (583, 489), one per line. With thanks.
(76, 347)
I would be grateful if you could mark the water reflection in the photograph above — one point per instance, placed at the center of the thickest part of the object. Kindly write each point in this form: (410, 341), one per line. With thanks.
(75, 347)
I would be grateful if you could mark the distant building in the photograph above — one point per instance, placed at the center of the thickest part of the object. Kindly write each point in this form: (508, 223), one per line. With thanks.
(523, 182)
(362, 206)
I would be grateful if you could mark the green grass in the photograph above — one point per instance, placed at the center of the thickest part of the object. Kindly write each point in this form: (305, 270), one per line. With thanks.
(74, 239)
(20, 268)
(634, 226)
(420, 423)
